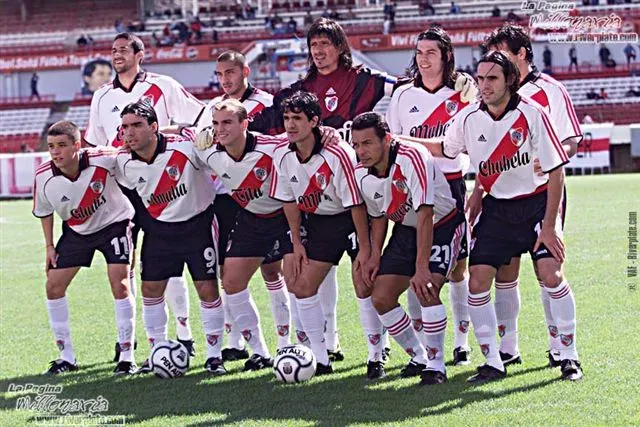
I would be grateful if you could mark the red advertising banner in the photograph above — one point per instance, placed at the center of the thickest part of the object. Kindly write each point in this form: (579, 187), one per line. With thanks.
(61, 60)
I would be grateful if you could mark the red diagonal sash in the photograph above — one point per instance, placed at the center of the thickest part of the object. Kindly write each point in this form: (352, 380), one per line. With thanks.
(153, 94)
(254, 180)
(440, 114)
(92, 193)
(168, 180)
(317, 184)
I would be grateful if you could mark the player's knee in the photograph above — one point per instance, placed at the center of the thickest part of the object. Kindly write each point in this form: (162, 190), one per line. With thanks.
(304, 289)
(207, 290)
(233, 285)
(55, 289)
(551, 277)
(457, 275)
(478, 286)
(271, 272)
(151, 289)
(383, 302)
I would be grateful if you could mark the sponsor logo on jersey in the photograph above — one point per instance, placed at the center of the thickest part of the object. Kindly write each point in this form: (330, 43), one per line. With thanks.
(426, 131)
(484, 348)
(226, 176)
(481, 138)
(141, 180)
(414, 109)
(97, 187)
(245, 195)
(115, 109)
(451, 107)
(87, 211)
(260, 173)
(330, 92)
(64, 199)
(168, 196)
(517, 136)
(489, 167)
(294, 179)
(377, 195)
(173, 171)
(331, 102)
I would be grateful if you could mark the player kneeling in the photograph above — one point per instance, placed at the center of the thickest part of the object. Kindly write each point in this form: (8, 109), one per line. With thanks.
(399, 181)
(79, 186)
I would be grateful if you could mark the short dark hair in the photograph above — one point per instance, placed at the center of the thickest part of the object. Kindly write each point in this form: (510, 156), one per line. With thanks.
(371, 120)
(232, 56)
(134, 41)
(91, 66)
(509, 69)
(66, 128)
(515, 37)
(303, 102)
(439, 35)
(334, 32)
(142, 108)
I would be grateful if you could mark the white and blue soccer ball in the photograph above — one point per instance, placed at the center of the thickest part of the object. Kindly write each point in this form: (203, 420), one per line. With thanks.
(169, 359)
(294, 364)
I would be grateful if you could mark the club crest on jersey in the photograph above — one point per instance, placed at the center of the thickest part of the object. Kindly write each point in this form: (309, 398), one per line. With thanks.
(484, 348)
(401, 185)
(331, 102)
(97, 187)
(321, 180)
(173, 172)
(147, 99)
(260, 173)
(517, 136)
(451, 107)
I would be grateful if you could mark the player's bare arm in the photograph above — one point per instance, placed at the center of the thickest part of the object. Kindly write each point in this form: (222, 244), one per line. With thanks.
(421, 282)
(378, 233)
(359, 216)
(548, 234)
(50, 249)
(294, 218)
(433, 144)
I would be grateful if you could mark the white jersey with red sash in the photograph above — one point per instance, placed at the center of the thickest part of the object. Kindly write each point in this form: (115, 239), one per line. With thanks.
(416, 111)
(169, 99)
(253, 99)
(248, 178)
(323, 184)
(411, 181)
(175, 186)
(88, 203)
(502, 149)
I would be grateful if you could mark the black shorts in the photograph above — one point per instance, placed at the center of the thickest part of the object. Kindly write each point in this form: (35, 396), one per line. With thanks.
(458, 188)
(507, 229)
(77, 250)
(399, 256)
(226, 211)
(328, 237)
(254, 236)
(192, 242)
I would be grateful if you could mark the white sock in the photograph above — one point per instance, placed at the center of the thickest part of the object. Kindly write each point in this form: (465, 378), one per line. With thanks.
(399, 326)
(301, 336)
(280, 310)
(177, 296)
(328, 293)
(507, 305)
(154, 315)
(247, 319)
(125, 309)
(311, 318)
(435, 325)
(459, 296)
(132, 282)
(234, 337)
(552, 328)
(372, 327)
(212, 316)
(563, 309)
(483, 317)
(415, 313)
(59, 320)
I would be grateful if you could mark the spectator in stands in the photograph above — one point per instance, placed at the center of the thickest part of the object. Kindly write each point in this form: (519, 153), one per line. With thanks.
(34, 86)
(546, 59)
(512, 17)
(454, 9)
(214, 36)
(326, 13)
(603, 94)
(334, 14)
(474, 64)
(119, 26)
(495, 13)
(196, 29)
(308, 20)
(214, 82)
(605, 55)
(426, 8)
(389, 10)
(167, 36)
(82, 41)
(249, 11)
(24, 148)
(632, 93)
(292, 26)
(95, 73)
(630, 53)
(386, 25)
(350, 14)
(587, 120)
(573, 57)
(592, 94)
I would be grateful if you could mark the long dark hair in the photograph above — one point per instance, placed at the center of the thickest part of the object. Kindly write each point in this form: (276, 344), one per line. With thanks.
(515, 37)
(509, 69)
(439, 35)
(335, 33)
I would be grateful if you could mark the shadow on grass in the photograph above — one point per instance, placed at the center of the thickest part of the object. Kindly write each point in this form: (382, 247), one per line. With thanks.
(347, 398)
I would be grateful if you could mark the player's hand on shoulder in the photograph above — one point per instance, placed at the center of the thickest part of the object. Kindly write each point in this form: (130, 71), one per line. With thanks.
(51, 258)
(204, 139)
(329, 136)
(466, 85)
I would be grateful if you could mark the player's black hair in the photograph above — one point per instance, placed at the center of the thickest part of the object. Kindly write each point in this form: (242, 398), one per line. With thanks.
(371, 120)
(233, 56)
(303, 102)
(440, 36)
(515, 37)
(509, 69)
(90, 66)
(134, 41)
(142, 108)
(335, 33)
(66, 128)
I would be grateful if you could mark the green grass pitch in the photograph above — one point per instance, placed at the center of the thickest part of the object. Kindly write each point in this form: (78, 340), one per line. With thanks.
(607, 338)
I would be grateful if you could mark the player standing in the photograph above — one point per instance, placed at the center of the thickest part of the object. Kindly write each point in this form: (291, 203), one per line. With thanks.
(233, 72)
(554, 99)
(79, 186)
(319, 181)
(423, 108)
(502, 135)
(399, 182)
(175, 189)
(171, 102)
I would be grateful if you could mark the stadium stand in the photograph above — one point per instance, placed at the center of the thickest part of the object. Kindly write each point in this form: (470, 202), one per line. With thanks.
(22, 127)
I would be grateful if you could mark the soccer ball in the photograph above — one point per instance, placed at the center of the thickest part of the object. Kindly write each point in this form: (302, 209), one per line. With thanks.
(169, 359)
(294, 364)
